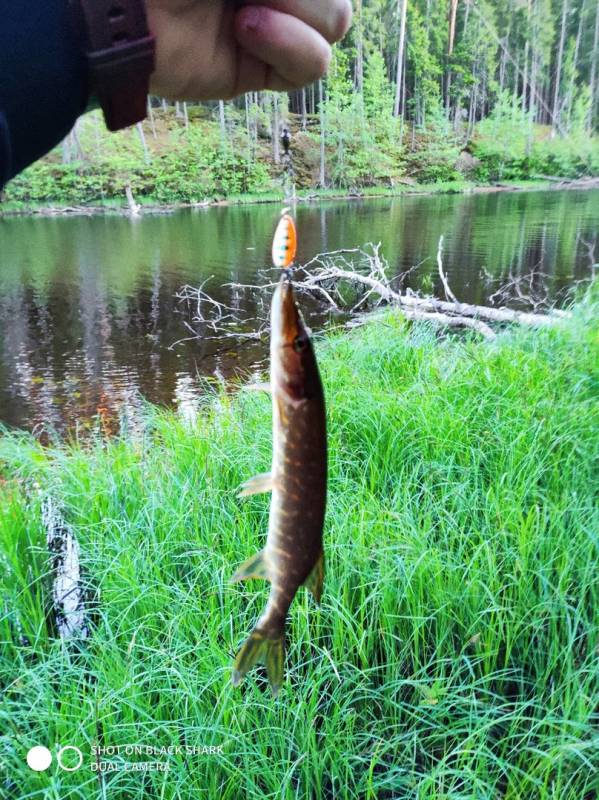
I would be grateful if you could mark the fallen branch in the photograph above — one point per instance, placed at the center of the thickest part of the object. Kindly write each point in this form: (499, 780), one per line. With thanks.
(67, 590)
(451, 321)
(329, 275)
(449, 295)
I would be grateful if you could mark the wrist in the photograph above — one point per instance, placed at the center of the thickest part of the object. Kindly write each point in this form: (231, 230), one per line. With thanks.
(120, 54)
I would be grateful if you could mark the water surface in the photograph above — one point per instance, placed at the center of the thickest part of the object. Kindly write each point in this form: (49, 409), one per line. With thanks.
(90, 322)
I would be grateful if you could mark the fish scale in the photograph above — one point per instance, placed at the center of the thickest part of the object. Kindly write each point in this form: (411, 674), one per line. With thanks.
(293, 555)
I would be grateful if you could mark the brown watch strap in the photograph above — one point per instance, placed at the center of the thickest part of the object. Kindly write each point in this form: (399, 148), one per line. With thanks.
(121, 57)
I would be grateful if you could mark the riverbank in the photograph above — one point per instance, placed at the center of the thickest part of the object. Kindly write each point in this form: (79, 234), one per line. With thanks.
(170, 162)
(148, 205)
(455, 649)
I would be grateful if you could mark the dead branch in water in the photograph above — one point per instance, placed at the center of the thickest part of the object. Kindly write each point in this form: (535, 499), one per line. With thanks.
(350, 279)
(216, 320)
(449, 295)
(333, 270)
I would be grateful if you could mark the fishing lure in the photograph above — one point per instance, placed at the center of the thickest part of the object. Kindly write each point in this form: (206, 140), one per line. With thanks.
(284, 243)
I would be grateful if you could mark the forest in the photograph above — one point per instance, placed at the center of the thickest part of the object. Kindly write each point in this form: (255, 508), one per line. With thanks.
(443, 92)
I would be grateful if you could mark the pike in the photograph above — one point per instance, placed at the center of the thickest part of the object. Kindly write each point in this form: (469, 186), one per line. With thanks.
(293, 555)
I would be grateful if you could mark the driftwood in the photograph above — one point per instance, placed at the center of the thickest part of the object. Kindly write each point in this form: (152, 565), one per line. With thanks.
(325, 272)
(133, 207)
(67, 590)
(428, 305)
(213, 320)
(363, 274)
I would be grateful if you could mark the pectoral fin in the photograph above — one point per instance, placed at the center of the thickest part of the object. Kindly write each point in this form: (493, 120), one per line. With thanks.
(254, 567)
(256, 485)
(315, 579)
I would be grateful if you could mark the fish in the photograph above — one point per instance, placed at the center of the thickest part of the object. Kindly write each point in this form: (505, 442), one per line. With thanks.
(293, 555)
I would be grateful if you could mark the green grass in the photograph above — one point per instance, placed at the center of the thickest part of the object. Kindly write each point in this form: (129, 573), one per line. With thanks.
(455, 653)
(10, 207)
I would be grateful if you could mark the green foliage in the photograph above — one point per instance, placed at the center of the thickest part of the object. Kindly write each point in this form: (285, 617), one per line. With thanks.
(192, 165)
(435, 155)
(510, 147)
(378, 92)
(425, 67)
(199, 166)
(361, 132)
(454, 654)
(347, 135)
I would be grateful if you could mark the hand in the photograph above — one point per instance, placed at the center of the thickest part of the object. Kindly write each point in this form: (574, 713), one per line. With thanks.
(218, 49)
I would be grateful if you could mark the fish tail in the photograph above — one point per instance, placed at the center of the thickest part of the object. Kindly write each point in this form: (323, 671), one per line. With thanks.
(261, 648)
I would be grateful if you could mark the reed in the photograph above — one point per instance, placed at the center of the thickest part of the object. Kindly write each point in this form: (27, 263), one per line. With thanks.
(455, 652)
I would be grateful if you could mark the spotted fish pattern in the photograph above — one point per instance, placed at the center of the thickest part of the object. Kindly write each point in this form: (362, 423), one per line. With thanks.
(293, 555)
(284, 243)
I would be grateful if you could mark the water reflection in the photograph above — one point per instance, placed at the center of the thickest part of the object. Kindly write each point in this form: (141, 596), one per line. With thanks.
(89, 316)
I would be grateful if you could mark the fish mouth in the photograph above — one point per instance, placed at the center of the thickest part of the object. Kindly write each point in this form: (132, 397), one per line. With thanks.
(286, 323)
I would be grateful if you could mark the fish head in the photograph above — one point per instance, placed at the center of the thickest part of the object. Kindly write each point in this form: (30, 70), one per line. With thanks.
(294, 371)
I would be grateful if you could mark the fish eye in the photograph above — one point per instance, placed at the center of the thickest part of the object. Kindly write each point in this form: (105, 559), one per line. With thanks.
(299, 344)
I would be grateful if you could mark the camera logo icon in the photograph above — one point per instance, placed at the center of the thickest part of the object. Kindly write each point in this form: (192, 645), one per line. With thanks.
(39, 758)
(69, 758)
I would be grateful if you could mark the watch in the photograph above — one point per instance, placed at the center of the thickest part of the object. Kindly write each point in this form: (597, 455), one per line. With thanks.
(120, 53)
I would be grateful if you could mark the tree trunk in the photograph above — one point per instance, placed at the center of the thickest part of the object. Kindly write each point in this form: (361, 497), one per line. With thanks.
(142, 137)
(457, 118)
(515, 82)
(504, 52)
(572, 85)
(256, 103)
(402, 9)
(534, 108)
(304, 110)
(276, 132)
(525, 105)
(403, 98)
(322, 176)
(151, 116)
(558, 73)
(453, 10)
(248, 127)
(473, 99)
(359, 68)
(65, 148)
(594, 72)
(525, 79)
(223, 123)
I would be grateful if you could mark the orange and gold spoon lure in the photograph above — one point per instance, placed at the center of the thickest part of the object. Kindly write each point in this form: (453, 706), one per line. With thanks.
(284, 243)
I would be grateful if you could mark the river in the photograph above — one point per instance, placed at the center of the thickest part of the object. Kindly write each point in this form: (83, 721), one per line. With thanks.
(90, 325)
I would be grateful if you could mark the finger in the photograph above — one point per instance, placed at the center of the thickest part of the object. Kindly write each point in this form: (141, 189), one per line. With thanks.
(296, 53)
(331, 18)
(253, 75)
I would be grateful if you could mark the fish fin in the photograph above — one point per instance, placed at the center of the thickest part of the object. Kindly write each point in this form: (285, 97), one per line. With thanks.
(258, 387)
(256, 485)
(259, 648)
(315, 579)
(254, 567)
